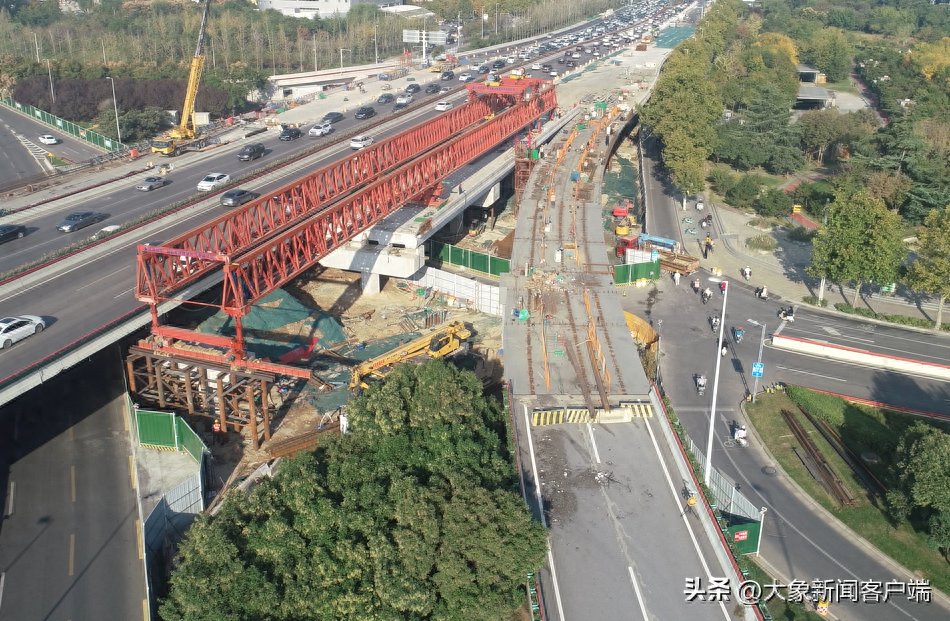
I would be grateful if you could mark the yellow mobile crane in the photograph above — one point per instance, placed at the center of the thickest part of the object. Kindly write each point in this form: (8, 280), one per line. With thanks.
(182, 138)
(439, 344)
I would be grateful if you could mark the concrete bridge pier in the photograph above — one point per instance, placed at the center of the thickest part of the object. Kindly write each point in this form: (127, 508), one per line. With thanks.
(369, 282)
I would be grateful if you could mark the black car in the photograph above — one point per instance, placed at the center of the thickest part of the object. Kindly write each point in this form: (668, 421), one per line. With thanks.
(333, 117)
(400, 106)
(413, 88)
(571, 63)
(448, 75)
(386, 98)
(484, 69)
(252, 152)
(290, 133)
(498, 64)
(11, 231)
(237, 196)
(365, 112)
(80, 220)
(546, 67)
(561, 61)
(432, 88)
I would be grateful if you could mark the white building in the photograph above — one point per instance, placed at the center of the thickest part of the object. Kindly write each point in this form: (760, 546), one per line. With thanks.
(318, 8)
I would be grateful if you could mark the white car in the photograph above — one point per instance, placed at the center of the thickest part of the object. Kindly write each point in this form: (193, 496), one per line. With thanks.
(321, 129)
(536, 67)
(49, 139)
(359, 142)
(404, 99)
(212, 181)
(442, 106)
(13, 329)
(466, 77)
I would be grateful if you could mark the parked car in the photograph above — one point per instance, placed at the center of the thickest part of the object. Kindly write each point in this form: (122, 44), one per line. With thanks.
(252, 152)
(442, 106)
(359, 142)
(49, 139)
(151, 183)
(404, 99)
(80, 220)
(385, 98)
(290, 133)
(11, 231)
(322, 128)
(447, 75)
(13, 329)
(213, 180)
(365, 112)
(412, 88)
(237, 197)
(333, 117)
(432, 88)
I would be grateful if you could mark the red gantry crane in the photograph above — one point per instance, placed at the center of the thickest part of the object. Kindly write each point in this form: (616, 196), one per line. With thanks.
(263, 244)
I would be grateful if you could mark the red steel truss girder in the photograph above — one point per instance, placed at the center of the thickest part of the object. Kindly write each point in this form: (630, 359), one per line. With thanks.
(162, 268)
(253, 275)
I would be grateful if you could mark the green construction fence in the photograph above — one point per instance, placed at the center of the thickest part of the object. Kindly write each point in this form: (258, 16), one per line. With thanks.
(165, 430)
(469, 259)
(630, 273)
(62, 125)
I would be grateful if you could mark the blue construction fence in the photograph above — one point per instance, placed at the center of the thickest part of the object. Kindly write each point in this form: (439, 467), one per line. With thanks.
(62, 125)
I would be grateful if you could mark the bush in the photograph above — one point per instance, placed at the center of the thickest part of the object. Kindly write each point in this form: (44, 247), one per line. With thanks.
(773, 203)
(903, 320)
(801, 234)
(744, 192)
(813, 300)
(760, 222)
(722, 180)
(762, 242)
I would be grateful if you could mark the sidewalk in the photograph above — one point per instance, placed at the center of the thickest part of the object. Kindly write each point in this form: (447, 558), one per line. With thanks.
(782, 271)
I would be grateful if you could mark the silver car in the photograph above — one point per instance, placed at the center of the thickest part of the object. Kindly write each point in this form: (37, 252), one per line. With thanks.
(13, 329)
(151, 183)
(80, 220)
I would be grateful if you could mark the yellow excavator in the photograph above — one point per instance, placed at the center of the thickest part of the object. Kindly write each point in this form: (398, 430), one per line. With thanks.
(184, 137)
(442, 343)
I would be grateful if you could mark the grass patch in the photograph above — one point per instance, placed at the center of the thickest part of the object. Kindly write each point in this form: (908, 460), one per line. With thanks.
(777, 607)
(801, 234)
(903, 320)
(762, 242)
(813, 300)
(761, 222)
(865, 429)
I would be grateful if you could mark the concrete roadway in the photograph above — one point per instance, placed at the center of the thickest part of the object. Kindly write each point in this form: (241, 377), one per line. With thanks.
(15, 159)
(68, 544)
(70, 149)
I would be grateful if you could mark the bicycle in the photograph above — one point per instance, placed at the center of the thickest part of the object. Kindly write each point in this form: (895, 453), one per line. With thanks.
(691, 232)
(687, 220)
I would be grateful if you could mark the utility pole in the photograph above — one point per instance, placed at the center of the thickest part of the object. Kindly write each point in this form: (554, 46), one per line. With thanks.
(821, 285)
(52, 95)
(115, 105)
(36, 44)
(376, 42)
(755, 387)
(314, 51)
(712, 407)
(343, 49)
(496, 18)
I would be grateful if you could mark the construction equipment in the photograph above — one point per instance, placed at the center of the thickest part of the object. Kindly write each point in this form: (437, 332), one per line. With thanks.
(184, 137)
(449, 63)
(440, 344)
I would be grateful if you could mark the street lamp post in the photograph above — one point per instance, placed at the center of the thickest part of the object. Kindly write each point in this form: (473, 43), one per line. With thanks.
(496, 18)
(755, 388)
(376, 42)
(343, 49)
(49, 69)
(712, 407)
(115, 105)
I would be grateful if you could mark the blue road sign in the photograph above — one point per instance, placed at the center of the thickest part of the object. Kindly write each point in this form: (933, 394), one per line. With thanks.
(758, 369)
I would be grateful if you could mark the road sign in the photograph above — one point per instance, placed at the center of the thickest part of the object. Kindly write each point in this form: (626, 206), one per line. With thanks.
(758, 369)
(741, 535)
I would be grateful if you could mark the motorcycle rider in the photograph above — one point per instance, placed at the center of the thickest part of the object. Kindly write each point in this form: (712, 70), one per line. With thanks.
(747, 272)
(707, 294)
(762, 293)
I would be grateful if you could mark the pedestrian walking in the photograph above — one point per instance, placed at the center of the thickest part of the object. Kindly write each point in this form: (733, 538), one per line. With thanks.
(344, 422)
(676, 278)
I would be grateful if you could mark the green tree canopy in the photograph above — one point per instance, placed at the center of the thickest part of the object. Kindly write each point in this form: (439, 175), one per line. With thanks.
(930, 271)
(924, 460)
(411, 515)
(861, 242)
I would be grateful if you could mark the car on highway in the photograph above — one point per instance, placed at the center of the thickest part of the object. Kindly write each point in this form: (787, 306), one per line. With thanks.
(333, 117)
(237, 197)
(360, 142)
(535, 66)
(49, 139)
(447, 75)
(571, 63)
(151, 183)
(404, 99)
(13, 329)
(365, 112)
(432, 88)
(445, 89)
(483, 69)
(323, 128)
(252, 152)
(213, 180)
(412, 88)
(547, 67)
(466, 77)
(498, 64)
(385, 98)
(442, 106)
(80, 220)
(400, 105)
(11, 231)
(290, 133)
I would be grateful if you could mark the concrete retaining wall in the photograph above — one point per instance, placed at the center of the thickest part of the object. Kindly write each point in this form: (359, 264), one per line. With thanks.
(861, 356)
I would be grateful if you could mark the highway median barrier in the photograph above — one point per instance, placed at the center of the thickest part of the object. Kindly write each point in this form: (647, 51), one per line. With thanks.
(824, 349)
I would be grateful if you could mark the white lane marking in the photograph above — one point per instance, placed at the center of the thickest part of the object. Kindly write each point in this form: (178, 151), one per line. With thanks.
(676, 500)
(123, 292)
(830, 330)
(109, 275)
(3, 579)
(636, 589)
(544, 521)
(11, 490)
(590, 432)
(863, 366)
(837, 379)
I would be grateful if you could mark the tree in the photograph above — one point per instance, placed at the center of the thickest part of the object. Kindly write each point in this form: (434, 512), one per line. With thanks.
(744, 192)
(411, 515)
(830, 51)
(860, 243)
(820, 129)
(938, 536)
(930, 271)
(773, 203)
(924, 460)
